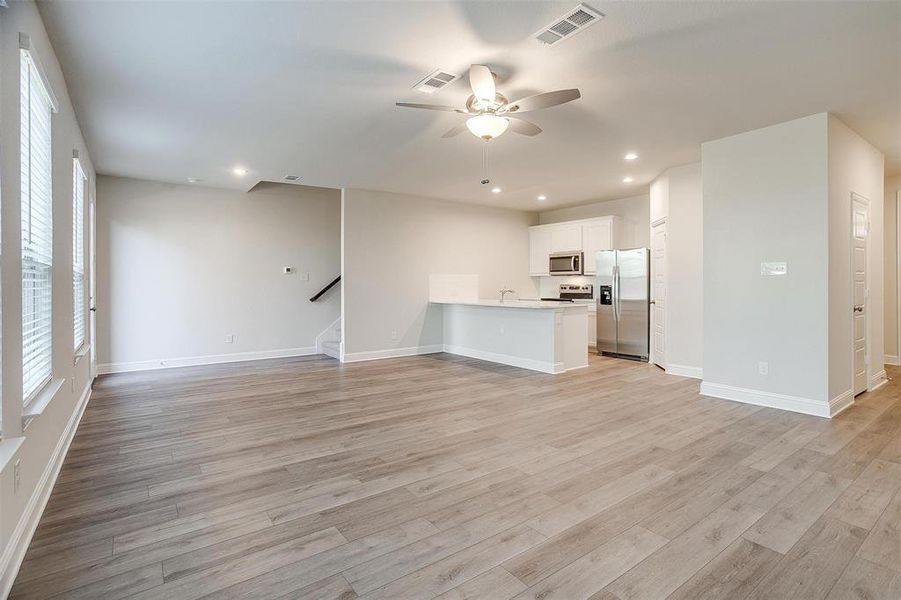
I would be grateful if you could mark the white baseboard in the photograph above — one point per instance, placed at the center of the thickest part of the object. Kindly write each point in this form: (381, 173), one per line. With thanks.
(211, 359)
(878, 380)
(841, 402)
(349, 357)
(505, 359)
(798, 404)
(891, 359)
(18, 543)
(683, 371)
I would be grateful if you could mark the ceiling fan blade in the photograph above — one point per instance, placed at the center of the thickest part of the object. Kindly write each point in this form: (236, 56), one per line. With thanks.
(482, 82)
(430, 107)
(454, 131)
(523, 127)
(545, 100)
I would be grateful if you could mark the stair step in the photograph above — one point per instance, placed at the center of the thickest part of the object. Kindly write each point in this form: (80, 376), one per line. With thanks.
(332, 349)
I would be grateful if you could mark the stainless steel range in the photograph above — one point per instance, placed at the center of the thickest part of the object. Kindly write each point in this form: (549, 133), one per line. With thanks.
(573, 291)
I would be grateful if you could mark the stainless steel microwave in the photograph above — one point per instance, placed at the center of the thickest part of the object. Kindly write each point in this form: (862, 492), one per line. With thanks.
(565, 263)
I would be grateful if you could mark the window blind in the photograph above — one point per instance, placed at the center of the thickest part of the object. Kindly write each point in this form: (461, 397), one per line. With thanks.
(78, 275)
(37, 230)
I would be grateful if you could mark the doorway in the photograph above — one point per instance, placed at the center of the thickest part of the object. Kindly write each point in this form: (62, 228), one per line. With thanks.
(658, 293)
(860, 230)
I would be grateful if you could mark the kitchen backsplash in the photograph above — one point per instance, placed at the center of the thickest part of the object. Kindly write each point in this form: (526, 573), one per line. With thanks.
(550, 286)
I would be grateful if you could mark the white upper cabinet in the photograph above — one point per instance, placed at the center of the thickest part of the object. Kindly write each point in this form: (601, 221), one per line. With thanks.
(566, 237)
(539, 249)
(596, 235)
(587, 235)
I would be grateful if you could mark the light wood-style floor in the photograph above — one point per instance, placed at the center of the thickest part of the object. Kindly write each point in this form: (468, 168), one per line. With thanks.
(442, 476)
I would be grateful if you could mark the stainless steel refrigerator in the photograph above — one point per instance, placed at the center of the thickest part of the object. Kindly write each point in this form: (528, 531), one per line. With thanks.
(623, 301)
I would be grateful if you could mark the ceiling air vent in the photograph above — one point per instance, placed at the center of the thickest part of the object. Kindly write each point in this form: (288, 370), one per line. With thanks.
(434, 81)
(576, 20)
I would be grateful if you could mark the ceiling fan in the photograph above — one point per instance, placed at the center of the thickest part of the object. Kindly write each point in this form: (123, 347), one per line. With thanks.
(489, 111)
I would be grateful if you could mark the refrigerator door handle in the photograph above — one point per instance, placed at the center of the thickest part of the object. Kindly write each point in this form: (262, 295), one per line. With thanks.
(619, 293)
(616, 292)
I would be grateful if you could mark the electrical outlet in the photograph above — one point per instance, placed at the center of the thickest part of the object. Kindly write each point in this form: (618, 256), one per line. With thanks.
(394, 334)
(17, 476)
(230, 338)
(763, 368)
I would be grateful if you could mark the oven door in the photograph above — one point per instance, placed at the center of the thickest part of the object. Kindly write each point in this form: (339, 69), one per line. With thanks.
(565, 263)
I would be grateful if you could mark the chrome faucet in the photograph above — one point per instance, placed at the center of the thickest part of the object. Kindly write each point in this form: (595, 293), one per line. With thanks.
(505, 291)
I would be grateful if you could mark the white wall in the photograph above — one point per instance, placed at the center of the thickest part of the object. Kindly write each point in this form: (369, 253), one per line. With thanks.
(676, 196)
(765, 199)
(40, 448)
(854, 166)
(179, 267)
(633, 210)
(890, 246)
(393, 242)
(783, 193)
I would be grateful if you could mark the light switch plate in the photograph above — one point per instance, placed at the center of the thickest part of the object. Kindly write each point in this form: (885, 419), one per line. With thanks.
(769, 269)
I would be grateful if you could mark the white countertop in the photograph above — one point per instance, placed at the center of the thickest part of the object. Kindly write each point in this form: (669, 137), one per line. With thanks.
(531, 304)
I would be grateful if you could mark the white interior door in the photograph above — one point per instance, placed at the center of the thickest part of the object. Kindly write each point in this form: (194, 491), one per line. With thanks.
(860, 229)
(658, 294)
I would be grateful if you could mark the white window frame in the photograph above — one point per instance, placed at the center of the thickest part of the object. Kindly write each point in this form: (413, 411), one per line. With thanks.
(79, 273)
(36, 186)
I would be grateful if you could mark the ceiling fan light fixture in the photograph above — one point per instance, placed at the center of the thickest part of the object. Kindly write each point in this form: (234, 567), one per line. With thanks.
(487, 127)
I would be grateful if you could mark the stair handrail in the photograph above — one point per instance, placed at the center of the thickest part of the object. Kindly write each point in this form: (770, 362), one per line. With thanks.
(325, 289)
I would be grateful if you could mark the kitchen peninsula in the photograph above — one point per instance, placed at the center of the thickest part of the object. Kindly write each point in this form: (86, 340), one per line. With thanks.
(550, 337)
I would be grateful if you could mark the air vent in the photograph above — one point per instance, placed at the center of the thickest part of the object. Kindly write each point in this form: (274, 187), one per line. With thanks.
(434, 81)
(291, 178)
(576, 20)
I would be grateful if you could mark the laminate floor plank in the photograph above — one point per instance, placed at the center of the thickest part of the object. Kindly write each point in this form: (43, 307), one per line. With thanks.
(883, 544)
(665, 570)
(732, 574)
(444, 476)
(869, 495)
(813, 565)
(784, 524)
(865, 580)
(584, 577)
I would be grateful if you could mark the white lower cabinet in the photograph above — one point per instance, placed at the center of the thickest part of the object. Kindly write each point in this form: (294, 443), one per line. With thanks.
(592, 328)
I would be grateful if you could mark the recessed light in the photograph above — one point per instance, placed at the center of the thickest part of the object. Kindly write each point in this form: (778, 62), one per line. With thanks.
(628, 180)
(239, 171)
(496, 190)
(542, 198)
(631, 156)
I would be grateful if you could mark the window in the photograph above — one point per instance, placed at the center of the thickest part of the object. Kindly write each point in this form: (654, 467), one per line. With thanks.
(78, 277)
(37, 229)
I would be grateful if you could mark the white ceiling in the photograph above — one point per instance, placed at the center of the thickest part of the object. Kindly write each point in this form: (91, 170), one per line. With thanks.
(171, 90)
